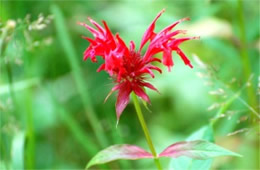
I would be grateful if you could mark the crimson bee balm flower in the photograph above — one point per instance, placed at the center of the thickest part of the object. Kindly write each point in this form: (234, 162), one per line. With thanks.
(129, 66)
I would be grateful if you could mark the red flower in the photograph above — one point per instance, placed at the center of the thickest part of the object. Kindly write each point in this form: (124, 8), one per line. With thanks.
(126, 65)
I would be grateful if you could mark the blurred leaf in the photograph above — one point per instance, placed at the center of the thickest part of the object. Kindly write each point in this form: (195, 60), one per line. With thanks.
(60, 86)
(4, 165)
(79, 134)
(224, 48)
(115, 152)
(44, 114)
(198, 149)
(205, 133)
(17, 151)
(72, 58)
(184, 163)
(19, 86)
(145, 105)
(211, 27)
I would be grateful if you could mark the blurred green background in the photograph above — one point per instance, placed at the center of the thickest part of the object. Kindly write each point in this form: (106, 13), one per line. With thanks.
(51, 107)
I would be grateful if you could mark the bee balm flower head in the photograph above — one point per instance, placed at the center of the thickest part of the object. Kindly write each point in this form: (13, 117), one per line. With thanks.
(129, 66)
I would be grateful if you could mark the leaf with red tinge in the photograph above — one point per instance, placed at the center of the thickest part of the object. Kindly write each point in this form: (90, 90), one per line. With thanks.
(198, 149)
(122, 151)
(186, 163)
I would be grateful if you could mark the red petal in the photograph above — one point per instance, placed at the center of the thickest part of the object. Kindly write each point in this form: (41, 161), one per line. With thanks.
(155, 59)
(143, 71)
(140, 92)
(132, 46)
(184, 58)
(116, 87)
(168, 36)
(97, 25)
(93, 42)
(176, 42)
(102, 67)
(170, 27)
(122, 44)
(122, 98)
(149, 32)
(92, 30)
(108, 32)
(149, 71)
(167, 59)
(155, 68)
(164, 38)
(90, 52)
(150, 86)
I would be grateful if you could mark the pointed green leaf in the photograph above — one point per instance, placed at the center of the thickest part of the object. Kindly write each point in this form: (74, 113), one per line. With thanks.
(204, 133)
(146, 106)
(186, 163)
(17, 151)
(122, 151)
(198, 149)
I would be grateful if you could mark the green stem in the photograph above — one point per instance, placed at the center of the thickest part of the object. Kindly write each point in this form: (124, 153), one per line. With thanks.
(146, 132)
(30, 147)
(69, 49)
(224, 108)
(245, 57)
(251, 94)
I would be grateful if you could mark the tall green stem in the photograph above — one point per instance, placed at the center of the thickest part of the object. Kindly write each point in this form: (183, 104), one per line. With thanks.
(30, 148)
(146, 132)
(251, 94)
(245, 57)
(69, 49)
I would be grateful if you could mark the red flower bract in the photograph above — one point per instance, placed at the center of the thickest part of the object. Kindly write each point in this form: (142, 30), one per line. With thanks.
(126, 65)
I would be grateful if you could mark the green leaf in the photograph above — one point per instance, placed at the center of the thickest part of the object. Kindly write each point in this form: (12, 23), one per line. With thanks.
(78, 133)
(185, 163)
(198, 149)
(204, 133)
(17, 151)
(122, 151)
(146, 106)
(19, 86)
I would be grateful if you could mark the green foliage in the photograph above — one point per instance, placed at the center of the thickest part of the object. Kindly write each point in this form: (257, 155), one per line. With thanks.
(115, 152)
(184, 163)
(52, 114)
(197, 149)
(17, 151)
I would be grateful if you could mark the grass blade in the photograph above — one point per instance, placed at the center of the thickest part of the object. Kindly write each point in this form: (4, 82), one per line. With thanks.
(66, 43)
